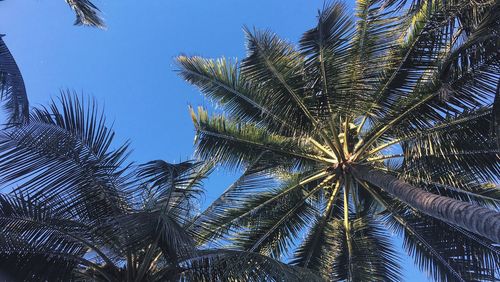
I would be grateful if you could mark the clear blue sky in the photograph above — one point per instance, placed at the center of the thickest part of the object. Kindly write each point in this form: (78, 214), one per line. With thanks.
(129, 67)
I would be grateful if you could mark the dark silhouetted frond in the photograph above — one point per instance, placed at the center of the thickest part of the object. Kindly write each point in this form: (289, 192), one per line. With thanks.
(12, 89)
(86, 13)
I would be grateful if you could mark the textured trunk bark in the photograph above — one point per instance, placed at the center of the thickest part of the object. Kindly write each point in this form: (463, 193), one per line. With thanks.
(479, 220)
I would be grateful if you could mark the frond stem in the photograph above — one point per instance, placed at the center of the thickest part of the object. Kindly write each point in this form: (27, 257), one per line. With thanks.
(267, 147)
(324, 219)
(347, 226)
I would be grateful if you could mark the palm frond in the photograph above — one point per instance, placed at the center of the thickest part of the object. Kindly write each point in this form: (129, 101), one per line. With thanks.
(315, 250)
(405, 62)
(222, 81)
(279, 69)
(318, 250)
(86, 13)
(373, 257)
(237, 144)
(271, 231)
(253, 179)
(34, 232)
(372, 44)
(64, 152)
(239, 204)
(326, 48)
(460, 79)
(172, 187)
(29, 266)
(136, 230)
(12, 89)
(446, 252)
(466, 152)
(232, 265)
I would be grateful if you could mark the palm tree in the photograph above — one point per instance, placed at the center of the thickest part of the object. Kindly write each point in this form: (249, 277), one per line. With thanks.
(381, 122)
(78, 211)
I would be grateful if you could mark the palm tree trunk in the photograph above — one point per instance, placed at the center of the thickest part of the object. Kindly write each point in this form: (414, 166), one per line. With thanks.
(479, 220)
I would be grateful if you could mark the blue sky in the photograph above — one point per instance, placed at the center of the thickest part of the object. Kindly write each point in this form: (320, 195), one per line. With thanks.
(129, 67)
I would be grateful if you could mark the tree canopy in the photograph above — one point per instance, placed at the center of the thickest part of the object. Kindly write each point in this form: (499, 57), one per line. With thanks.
(376, 123)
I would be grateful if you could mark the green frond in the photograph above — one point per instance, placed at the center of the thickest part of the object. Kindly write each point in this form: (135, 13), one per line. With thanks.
(20, 266)
(237, 144)
(136, 230)
(278, 68)
(450, 123)
(325, 48)
(254, 179)
(221, 80)
(40, 233)
(458, 79)
(404, 62)
(313, 252)
(454, 153)
(377, 26)
(318, 249)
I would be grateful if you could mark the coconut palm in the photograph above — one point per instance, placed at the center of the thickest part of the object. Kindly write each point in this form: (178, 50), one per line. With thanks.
(78, 211)
(376, 123)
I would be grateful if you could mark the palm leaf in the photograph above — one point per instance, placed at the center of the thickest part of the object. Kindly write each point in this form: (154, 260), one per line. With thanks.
(326, 47)
(64, 152)
(237, 206)
(222, 81)
(35, 232)
(12, 89)
(172, 187)
(231, 265)
(275, 62)
(468, 84)
(86, 13)
(271, 231)
(239, 144)
(373, 257)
